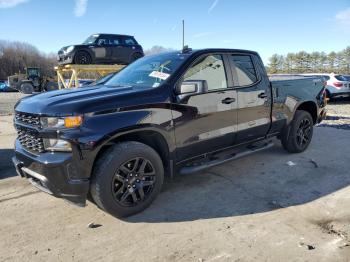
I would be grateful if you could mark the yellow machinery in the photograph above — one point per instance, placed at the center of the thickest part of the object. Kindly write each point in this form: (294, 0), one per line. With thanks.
(74, 70)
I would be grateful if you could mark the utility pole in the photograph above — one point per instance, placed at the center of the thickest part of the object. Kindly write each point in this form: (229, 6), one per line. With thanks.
(183, 34)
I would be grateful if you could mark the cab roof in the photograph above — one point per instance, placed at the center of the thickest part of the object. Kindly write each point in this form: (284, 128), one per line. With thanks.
(211, 50)
(104, 34)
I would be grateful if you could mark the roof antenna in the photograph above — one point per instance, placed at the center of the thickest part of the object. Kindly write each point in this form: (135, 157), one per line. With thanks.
(185, 48)
(183, 34)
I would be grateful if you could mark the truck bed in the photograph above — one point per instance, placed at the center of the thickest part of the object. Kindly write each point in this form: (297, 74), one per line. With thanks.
(288, 84)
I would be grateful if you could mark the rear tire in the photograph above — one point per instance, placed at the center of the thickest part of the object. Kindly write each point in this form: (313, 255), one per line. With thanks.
(82, 58)
(135, 57)
(51, 86)
(297, 136)
(27, 88)
(127, 178)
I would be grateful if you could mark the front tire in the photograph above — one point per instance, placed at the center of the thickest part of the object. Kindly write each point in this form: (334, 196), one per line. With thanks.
(127, 178)
(51, 86)
(297, 136)
(27, 88)
(82, 58)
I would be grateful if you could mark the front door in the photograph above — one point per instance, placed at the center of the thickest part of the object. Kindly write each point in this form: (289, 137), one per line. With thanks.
(206, 122)
(103, 49)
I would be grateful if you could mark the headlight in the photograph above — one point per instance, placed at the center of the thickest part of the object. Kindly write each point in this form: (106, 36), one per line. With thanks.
(53, 144)
(69, 49)
(61, 122)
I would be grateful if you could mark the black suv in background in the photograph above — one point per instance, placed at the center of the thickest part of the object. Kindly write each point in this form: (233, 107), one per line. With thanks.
(102, 49)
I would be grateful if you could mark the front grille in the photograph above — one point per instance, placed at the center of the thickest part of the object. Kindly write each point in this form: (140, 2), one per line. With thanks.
(26, 125)
(30, 141)
(28, 119)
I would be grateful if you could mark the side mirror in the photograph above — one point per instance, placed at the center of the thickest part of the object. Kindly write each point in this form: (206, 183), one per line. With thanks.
(191, 87)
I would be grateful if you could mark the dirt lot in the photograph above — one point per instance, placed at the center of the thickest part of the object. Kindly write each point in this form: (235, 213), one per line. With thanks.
(254, 209)
(8, 100)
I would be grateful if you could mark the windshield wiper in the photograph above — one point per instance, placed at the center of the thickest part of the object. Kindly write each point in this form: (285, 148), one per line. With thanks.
(119, 85)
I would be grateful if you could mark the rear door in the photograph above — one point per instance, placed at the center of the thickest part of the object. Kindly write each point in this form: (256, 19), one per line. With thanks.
(206, 122)
(254, 97)
(117, 48)
(129, 47)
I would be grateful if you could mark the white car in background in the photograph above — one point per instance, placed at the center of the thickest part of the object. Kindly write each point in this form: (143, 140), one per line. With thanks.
(337, 85)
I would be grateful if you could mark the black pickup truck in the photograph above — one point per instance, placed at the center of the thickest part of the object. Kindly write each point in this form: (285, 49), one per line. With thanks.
(171, 113)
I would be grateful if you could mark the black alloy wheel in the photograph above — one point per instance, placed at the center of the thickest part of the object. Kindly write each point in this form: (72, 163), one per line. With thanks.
(297, 136)
(126, 179)
(82, 58)
(304, 132)
(133, 182)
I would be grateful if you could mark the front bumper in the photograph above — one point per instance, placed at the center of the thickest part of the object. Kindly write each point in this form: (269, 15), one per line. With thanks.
(63, 58)
(51, 173)
(340, 94)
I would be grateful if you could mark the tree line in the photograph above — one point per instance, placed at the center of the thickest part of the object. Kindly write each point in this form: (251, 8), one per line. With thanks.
(315, 62)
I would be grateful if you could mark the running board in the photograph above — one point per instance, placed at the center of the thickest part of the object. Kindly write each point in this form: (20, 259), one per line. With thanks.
(196, 167)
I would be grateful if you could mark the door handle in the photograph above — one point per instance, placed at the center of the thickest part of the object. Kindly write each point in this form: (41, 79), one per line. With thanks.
(228, 100)
(262, 95)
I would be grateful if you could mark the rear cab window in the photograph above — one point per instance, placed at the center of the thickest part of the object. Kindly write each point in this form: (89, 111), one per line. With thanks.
(245, 70)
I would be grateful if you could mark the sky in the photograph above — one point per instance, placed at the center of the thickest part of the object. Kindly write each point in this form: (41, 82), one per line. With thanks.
(268, 26)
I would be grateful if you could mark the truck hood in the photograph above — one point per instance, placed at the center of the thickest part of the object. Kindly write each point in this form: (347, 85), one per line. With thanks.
(78, 100)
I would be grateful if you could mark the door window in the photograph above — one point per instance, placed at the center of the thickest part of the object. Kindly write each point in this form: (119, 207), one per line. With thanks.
(102, 41)
(210, 68)
(113, 40)
(246, 73)
(129, 41)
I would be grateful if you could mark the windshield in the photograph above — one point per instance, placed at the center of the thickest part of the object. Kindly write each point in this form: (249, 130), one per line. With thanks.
(33, 72)
(149, 71)
(90, 40)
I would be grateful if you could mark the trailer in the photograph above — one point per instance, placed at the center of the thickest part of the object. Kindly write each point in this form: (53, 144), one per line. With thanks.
(74, 70)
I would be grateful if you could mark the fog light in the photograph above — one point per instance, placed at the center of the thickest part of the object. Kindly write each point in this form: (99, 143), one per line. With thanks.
(52, 144)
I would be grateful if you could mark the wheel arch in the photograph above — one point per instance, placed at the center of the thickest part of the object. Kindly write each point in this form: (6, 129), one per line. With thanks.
(151, 137)
(310, 107)
(27, 81)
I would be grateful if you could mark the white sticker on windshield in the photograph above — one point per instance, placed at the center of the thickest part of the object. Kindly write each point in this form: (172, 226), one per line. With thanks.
(159, 75)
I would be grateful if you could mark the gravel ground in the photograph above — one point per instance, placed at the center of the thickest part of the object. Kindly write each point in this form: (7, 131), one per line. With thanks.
(8, 101)
(338, 115)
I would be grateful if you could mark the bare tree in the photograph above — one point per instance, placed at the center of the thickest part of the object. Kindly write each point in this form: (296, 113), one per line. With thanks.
(16, 56)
